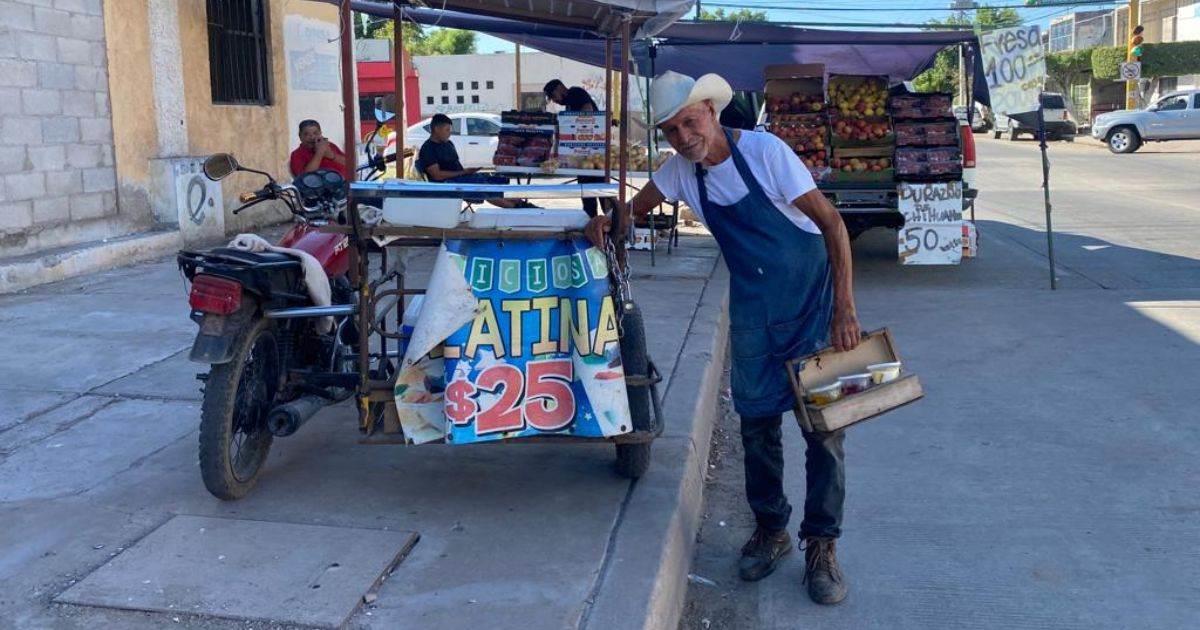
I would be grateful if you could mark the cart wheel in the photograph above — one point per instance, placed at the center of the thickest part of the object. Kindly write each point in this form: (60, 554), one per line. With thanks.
(234, 440)
(636, 362)
(633, 459)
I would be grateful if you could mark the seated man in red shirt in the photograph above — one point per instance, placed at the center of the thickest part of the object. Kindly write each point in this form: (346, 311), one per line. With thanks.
(316, 152)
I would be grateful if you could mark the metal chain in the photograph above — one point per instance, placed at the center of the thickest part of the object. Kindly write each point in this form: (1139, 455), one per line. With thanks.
(620, 278)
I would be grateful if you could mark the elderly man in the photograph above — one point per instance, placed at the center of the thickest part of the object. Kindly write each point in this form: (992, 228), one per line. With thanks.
(790, 291)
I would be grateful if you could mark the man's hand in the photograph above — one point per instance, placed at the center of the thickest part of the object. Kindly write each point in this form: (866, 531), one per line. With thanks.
(597, 228)
(844, 331)
(322, 147)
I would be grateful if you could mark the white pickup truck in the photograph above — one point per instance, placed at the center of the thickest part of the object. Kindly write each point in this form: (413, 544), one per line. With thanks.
(1175, 116)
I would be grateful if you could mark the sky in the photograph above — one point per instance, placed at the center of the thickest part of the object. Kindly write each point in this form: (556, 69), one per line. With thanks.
(847, 11)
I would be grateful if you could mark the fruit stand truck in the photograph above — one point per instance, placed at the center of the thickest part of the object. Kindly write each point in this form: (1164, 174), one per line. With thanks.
(859, 138)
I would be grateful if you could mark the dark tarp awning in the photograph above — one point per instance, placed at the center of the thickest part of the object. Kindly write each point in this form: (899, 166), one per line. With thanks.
(647, 17)
(738, 51)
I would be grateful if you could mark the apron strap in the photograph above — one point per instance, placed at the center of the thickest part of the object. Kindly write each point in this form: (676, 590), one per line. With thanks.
(753, 188)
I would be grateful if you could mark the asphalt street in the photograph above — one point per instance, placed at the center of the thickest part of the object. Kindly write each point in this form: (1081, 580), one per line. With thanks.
(1049, 478)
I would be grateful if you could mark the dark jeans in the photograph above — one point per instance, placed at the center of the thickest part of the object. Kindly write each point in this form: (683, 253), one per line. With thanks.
(478, 178)
(762, 440)
(590, 204)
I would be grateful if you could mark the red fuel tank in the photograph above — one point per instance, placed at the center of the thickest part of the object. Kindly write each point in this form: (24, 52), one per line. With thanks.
(331, 250)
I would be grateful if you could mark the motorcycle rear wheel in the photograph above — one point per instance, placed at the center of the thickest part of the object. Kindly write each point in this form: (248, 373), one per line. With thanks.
(234, 439)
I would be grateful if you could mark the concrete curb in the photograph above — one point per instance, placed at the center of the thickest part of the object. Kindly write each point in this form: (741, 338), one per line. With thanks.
(644, 582)
(23, 273)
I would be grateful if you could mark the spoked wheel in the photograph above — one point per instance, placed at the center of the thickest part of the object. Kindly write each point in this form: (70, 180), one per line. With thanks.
(234, 440)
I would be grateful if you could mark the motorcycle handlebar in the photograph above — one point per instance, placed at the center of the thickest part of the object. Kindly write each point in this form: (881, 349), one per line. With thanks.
(288, 193)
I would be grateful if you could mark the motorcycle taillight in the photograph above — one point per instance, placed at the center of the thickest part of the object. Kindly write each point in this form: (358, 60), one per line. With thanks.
(216, 295)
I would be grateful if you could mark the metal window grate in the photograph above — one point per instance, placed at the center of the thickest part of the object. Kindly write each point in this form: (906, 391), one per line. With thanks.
(237, 52)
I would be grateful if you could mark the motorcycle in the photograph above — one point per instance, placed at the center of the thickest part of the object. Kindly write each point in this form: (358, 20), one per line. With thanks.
(274, 361)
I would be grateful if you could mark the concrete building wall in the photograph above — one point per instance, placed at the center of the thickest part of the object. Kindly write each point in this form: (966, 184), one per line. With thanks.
(262, 137)
(500, 68)
(57, 175)
(102, 100)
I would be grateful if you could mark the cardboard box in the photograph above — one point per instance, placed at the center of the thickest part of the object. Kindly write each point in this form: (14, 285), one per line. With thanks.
(794, 71)
(970, 248)
(824, 367)
(644, 240)
(581, 127)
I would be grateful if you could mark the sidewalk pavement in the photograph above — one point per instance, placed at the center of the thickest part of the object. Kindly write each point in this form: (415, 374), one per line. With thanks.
(98, 450)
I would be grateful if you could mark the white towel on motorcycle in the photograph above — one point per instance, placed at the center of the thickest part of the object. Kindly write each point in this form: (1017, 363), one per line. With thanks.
(315, 280)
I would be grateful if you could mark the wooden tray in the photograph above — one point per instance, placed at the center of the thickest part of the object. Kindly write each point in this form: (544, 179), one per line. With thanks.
(825, 366)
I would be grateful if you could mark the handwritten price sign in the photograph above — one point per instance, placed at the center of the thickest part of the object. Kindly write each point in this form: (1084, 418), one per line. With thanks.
(1015, 66)
(932, 232)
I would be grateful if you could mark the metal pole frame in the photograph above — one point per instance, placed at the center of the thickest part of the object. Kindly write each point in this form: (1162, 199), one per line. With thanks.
(623, 147)
(400, 115)
(360, 274)
(608, 103)
(1041, 129)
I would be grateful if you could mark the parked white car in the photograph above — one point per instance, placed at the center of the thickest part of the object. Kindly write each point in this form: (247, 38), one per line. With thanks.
(1060, 123)
(1175, 116)
(475, 137)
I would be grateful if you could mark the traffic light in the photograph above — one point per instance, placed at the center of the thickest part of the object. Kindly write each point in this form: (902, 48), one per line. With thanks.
(1135, 44)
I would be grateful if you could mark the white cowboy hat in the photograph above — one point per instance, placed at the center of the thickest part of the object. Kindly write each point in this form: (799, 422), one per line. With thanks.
(671, 92)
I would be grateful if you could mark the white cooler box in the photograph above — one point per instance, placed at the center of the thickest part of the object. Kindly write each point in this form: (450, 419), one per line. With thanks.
(434, 213)
(528, 219)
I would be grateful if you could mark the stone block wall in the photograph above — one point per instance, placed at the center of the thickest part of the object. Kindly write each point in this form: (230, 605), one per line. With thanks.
(57, 172)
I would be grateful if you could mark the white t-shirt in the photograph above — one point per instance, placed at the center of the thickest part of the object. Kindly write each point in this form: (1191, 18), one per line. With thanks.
(780, 173)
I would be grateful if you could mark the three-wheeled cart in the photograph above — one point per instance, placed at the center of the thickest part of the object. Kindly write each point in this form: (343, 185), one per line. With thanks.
(378, 274)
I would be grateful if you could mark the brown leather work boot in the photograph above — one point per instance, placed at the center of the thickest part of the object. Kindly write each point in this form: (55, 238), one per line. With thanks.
(826, 585)
(761, 554)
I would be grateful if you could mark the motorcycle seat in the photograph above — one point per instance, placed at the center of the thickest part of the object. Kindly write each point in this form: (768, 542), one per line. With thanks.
(253, 258)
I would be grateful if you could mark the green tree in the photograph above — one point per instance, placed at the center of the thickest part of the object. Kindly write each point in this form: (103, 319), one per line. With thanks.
(745, 15)
(447, 41)
(417, 40)
(1066, 69)
(943, 75)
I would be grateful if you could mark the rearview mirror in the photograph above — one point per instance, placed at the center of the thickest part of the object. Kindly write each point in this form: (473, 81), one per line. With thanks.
(219, 166)
(383, 116)
(385, 107)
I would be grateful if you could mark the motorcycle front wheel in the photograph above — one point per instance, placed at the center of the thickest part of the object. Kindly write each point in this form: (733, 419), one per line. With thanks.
(234, 439)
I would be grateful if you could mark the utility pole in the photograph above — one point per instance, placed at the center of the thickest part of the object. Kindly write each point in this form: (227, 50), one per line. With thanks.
(1134, 53)
(962, 6)
(517, 95)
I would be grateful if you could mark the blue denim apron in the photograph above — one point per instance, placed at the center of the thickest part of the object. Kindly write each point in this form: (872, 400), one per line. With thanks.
(780, 292)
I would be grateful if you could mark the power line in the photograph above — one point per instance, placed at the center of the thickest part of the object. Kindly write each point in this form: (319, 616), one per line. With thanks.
(943, 9)
(921, 25)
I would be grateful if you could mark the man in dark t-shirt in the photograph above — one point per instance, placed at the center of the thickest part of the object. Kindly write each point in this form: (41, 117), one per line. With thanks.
(575, 99)
(438, 162)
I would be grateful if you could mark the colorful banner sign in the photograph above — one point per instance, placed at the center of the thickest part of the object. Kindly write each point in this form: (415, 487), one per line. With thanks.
(542, 354)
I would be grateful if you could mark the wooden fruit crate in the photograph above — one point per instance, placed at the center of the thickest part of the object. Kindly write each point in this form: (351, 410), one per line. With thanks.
(824, 367)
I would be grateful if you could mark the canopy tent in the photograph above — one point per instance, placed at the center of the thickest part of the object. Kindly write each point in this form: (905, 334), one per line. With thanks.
(738, 51)
(598, 17)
